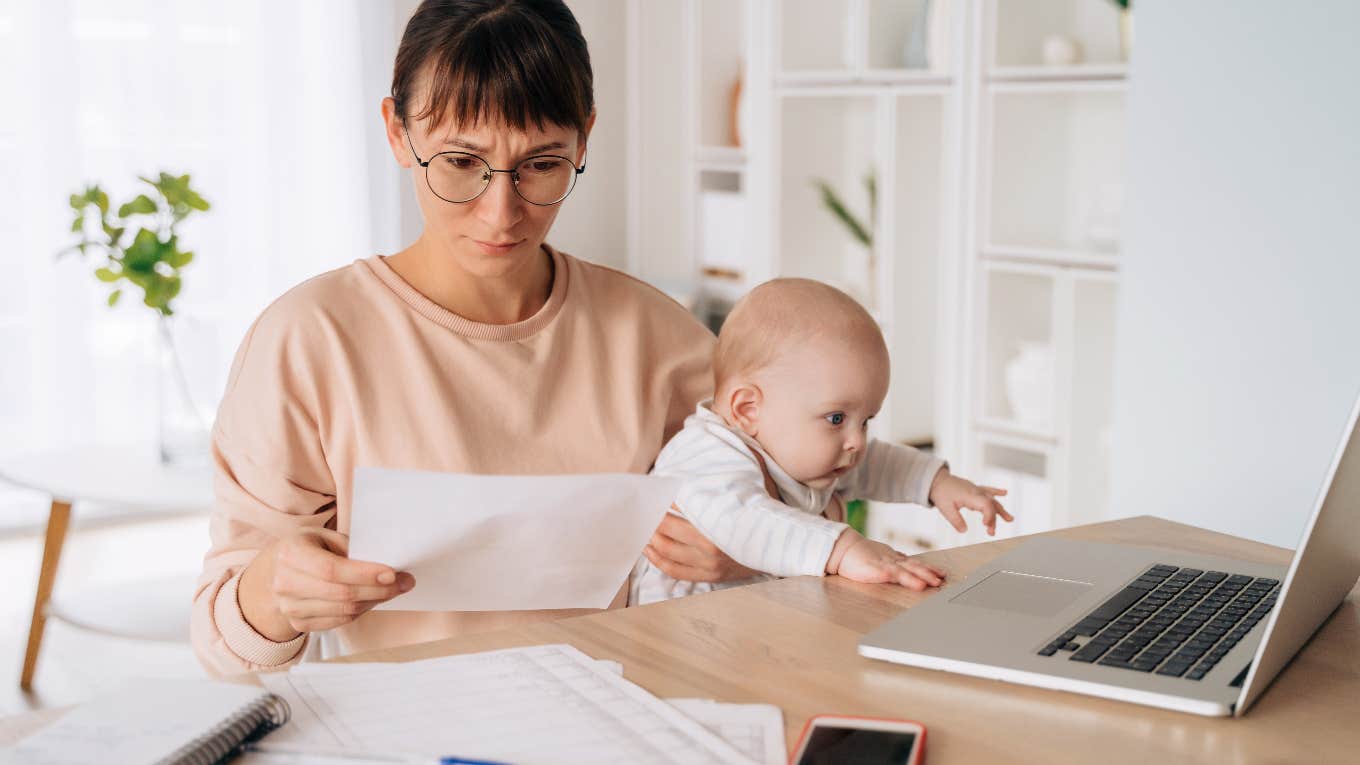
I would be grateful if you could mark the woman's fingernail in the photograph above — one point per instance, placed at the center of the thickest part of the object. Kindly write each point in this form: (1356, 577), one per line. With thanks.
(387, 577)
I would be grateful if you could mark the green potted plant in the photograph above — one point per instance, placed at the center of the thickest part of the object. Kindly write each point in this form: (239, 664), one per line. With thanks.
(138, 246)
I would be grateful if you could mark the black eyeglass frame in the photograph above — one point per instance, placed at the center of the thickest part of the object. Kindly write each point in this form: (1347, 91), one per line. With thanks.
(491, 173)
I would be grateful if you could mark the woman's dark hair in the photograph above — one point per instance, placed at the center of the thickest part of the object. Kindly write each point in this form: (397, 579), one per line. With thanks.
(523, 61)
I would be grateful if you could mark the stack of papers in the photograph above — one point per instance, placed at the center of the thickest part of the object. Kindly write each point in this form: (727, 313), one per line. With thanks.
(543, 704)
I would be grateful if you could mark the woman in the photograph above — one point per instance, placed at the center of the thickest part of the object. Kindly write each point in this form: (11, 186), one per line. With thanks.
(478, 349)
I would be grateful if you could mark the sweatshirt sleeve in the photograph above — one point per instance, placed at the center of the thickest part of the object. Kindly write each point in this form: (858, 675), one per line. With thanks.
(892, 473)
(723, 495)
(269, 478)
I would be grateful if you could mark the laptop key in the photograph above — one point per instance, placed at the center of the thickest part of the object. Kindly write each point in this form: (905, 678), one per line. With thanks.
(1173, 669)
(1117, 604)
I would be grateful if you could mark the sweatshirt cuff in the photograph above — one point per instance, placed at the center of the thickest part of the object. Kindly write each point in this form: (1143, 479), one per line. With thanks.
(814, 563)
(927, 477)
(242, 638)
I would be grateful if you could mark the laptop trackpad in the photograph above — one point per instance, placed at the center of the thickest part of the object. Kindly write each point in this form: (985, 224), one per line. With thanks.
(1022, 593)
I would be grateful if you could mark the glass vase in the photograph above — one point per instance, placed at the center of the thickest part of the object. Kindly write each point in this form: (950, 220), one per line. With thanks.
(182, 426)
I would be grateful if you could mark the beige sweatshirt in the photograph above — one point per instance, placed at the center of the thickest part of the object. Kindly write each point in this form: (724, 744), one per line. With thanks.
(355, 367)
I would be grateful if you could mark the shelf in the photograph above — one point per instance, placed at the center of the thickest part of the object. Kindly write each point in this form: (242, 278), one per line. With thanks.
(831, 138)
(1096, 261)
(866, 82)
(816, 35)
(1074, 73)
(1021, 29)
(719, 57)
(720, 158)
(1019, 354)
(1014, 434)
(1056, 162)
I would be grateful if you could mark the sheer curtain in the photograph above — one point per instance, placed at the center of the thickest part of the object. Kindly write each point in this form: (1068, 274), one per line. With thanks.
(273, 109)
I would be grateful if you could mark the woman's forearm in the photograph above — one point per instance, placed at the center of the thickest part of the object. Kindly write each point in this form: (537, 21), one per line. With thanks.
(258, 604)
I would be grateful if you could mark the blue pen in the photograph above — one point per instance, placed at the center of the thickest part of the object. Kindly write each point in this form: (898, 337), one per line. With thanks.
(462, 761)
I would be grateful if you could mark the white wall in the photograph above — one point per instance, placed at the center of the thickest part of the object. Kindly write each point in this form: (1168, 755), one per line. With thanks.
(1239, 327)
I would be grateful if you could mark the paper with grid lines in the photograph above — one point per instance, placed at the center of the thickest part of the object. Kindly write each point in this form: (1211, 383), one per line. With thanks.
(543, 704)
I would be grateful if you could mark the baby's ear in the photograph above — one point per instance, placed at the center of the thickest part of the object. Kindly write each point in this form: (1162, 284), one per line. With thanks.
(744, 404)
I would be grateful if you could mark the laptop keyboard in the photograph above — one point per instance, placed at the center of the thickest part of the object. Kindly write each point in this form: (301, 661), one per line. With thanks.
(1172, 621)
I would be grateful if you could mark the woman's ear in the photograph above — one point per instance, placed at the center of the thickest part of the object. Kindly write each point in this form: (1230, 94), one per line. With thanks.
(744, 404)
(396, 133)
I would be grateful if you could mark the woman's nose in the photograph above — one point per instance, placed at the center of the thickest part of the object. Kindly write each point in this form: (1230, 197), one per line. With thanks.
(500, 206)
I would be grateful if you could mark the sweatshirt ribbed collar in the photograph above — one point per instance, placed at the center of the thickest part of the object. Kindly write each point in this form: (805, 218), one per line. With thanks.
(472, 329)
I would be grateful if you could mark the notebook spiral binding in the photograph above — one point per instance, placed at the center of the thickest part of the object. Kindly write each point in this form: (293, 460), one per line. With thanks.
(221, 743)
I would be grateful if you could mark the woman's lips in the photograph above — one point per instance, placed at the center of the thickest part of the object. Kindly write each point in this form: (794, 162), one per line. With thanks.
(497, 248)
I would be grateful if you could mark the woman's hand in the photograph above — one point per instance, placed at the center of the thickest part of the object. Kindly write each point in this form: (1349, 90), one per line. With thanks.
(305, 583)
(682, 552)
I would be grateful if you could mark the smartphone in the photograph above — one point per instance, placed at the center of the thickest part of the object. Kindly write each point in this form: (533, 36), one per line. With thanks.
(843, 740)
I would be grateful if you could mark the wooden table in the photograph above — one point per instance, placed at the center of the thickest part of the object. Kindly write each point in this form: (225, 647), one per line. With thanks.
(792, 643)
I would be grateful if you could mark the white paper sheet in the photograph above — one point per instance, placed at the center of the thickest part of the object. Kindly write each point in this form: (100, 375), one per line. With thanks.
(505, 543)
(542, 704)
(755, 730)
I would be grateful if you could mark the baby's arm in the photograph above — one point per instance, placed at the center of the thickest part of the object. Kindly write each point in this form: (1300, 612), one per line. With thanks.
(892, 473)
(897, 473)
(724, 496)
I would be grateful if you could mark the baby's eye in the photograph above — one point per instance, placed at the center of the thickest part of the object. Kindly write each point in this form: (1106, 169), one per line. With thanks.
(836, 418)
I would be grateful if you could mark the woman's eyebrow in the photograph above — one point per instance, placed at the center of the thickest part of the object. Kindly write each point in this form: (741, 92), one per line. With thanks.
(464, 144)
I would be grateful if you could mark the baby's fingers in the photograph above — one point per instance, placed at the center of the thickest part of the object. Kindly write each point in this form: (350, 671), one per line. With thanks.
(925, 574)
(951, 513)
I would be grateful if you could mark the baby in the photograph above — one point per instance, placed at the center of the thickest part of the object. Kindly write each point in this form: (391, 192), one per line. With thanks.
(799, 370)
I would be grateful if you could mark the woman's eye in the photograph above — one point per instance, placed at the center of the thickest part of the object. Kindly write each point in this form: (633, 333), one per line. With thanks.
(837, 418)
(542, 165)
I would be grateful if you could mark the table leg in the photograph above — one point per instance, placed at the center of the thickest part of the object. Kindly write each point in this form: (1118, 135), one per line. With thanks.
(57, 521)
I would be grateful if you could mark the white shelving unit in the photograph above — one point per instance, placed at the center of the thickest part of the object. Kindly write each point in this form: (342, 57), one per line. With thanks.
(995, 259)
(1039, 265)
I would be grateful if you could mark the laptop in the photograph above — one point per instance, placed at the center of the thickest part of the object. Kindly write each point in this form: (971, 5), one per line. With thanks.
(1155, 626)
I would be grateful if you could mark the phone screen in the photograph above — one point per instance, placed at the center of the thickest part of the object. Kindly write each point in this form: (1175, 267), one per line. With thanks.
(832, 745)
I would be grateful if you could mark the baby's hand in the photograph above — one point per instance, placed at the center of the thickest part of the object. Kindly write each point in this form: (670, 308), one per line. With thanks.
(864, 560)
(949, 493)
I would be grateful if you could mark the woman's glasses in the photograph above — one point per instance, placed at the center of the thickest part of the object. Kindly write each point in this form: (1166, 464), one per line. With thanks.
(457, 176)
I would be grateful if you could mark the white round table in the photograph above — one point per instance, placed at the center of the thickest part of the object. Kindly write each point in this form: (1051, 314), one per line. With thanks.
(127, 477)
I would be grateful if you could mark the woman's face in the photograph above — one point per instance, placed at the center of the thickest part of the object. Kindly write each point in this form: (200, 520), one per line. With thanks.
(498, 233)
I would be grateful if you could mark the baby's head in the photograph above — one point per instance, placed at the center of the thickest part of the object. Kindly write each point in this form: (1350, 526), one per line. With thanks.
(801, 367)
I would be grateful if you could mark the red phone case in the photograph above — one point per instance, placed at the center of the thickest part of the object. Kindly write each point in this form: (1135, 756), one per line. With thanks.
(916, 759)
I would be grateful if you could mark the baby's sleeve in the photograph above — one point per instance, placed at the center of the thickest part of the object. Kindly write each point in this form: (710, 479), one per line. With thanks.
(723, 495)
(892, 473)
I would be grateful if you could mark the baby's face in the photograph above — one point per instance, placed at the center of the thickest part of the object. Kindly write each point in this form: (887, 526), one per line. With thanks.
(816, 404)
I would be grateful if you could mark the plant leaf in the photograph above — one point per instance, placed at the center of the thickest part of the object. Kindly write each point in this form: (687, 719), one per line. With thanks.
(142, 205)
(78, 225)
(144, 253)
(113, 297)
(179, 259)
(833, 202)
(105, 275)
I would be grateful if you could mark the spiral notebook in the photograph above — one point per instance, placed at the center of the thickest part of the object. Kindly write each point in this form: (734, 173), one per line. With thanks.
(188, 722)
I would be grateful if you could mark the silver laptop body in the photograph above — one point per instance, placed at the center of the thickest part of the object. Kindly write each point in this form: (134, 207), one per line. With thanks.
(997, 622)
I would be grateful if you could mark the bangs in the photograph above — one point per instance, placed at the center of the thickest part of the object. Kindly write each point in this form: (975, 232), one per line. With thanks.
(503, 66)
